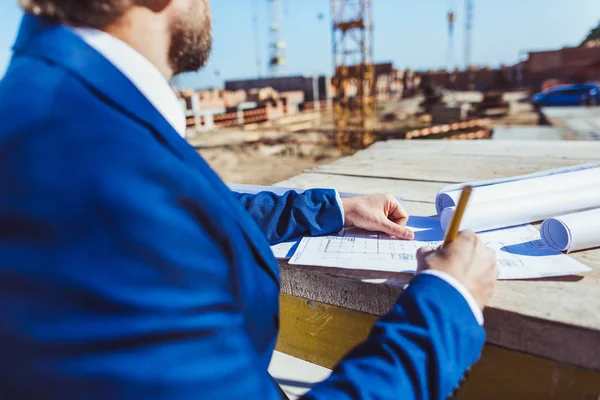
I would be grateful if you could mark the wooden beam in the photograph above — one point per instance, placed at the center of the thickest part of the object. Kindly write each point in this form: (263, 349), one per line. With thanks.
(442, 168)
(322, 334)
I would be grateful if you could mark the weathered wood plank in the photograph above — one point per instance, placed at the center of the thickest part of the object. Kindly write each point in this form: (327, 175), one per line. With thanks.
(440, 167)
(528, 133)
(503, 374)
(573, 150)
(555, 318)
(319, 333)
(562, 300)
(543, 318)
(401, 154)
(322, 334)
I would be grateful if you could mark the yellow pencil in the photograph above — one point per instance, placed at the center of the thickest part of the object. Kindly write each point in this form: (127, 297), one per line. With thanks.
(454, 226)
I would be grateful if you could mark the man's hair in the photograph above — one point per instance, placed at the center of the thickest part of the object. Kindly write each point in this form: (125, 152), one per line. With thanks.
(80, 13)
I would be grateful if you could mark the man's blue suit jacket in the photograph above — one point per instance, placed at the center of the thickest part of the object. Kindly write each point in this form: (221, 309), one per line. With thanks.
(129, 270)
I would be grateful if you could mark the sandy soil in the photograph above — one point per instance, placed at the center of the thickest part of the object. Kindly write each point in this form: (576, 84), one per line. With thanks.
(269, 155)
(250, 166)
(268, 163)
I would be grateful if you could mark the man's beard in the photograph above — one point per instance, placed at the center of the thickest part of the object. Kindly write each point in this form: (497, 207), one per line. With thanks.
(191, 41)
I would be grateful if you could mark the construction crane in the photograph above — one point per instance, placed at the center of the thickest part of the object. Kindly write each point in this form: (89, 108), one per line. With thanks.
(451, 18)
(468, 28)
(276, 44)
(354, 73)
(259, 66)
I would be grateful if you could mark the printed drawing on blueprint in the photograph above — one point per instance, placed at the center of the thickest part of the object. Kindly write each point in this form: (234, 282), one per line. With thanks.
(519, 250)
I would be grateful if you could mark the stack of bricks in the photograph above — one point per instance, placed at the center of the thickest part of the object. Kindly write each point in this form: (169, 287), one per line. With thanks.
(451, 130)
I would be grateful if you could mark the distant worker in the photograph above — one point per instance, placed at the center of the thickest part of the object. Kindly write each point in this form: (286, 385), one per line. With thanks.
(128, 270)
(407, 84)
(501, 80)
(452, 80)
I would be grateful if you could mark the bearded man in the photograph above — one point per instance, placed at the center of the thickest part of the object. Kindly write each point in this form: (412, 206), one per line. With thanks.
(128, 270)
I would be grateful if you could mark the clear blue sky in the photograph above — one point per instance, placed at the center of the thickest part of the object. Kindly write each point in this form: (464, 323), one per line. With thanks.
(409, 33)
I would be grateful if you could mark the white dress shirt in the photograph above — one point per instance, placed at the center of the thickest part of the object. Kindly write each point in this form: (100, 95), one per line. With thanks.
(140, 71)
(153, 85)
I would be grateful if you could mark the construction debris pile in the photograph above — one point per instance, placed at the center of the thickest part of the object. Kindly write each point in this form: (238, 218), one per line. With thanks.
(208, 110)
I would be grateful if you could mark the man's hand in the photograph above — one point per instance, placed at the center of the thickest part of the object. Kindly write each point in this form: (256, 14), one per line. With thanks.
(377, 213)
(466, 260)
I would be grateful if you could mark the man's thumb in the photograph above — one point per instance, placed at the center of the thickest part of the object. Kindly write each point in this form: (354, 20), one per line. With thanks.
(422, 254)
(399, 231)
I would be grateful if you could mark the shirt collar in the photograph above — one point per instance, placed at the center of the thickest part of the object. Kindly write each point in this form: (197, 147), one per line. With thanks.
(141, 72)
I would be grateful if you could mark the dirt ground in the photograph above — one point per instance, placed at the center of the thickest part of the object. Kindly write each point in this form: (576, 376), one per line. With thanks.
(265, 157)
(250, 166)
(269, 163)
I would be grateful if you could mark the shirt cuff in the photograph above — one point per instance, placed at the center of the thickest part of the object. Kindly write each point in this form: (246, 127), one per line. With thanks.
(460, 288)
(338, 198)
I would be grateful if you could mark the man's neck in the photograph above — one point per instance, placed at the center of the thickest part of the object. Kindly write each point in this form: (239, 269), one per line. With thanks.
(148, 34)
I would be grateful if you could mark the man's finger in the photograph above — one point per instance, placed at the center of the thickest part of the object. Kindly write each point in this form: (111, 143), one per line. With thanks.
(393, 229)
(397, 212)
(422, 254)
(401, 221)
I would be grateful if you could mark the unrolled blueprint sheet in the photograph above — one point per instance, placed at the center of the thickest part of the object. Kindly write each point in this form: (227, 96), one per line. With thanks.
(284, 250)
(520, 252)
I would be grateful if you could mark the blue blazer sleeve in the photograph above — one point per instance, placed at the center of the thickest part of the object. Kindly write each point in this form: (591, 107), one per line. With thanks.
(312, 213)
(420, 350)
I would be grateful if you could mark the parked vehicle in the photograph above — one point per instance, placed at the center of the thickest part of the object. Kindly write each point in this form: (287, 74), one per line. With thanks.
(569, 95)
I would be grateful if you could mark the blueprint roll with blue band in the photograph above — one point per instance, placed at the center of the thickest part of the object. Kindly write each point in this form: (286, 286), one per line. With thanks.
(569, 178)
(502, 213)
(572, 232)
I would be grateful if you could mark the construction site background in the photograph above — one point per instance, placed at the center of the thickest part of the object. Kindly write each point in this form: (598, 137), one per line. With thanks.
(265, 130)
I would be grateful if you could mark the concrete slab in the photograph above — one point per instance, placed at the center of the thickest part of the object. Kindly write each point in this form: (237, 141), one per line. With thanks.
(580, 123)
(295, 376)
(527, 133)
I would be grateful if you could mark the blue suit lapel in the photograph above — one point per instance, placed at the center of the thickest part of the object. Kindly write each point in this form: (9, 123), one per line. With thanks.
(60, 46)
(57, 44)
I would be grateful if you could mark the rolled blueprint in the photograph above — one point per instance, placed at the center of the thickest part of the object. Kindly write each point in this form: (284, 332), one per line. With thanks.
(572, 232)
(577, 176)
(502, 213)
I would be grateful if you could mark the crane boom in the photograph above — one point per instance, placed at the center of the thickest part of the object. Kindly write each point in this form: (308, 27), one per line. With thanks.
(468, 28)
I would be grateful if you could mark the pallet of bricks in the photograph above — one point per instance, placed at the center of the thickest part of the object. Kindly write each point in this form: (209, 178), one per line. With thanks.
(226, 120)
(247, 117)
(311, 105)
(466, 130)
